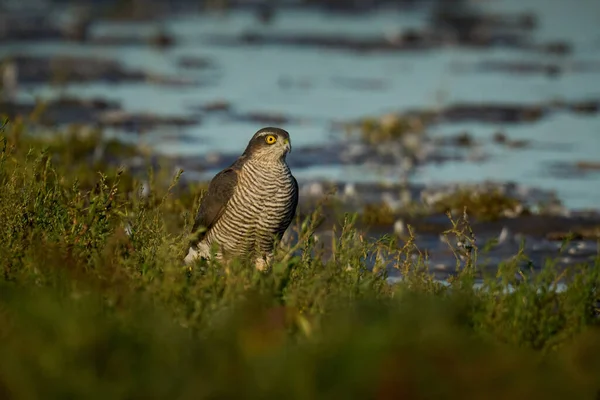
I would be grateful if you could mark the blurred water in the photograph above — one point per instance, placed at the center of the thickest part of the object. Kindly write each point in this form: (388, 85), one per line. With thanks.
(250, 79)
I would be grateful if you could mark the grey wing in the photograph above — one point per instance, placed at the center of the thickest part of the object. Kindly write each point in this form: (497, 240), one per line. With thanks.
(215, 201)
(294, 198)
(292, 212)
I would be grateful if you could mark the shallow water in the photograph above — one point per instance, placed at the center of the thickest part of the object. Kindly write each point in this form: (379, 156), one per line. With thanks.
(304, 83)
(479, 285)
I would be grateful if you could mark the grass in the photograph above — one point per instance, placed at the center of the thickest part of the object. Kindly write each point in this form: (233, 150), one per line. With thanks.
(485, 206)
(95, 301)
(390, 127)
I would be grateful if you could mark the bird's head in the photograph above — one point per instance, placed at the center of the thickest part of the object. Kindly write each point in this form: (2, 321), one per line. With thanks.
(269, 144)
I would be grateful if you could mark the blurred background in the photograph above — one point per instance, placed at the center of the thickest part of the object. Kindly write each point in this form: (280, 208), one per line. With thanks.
(411, 108)
(420, 92)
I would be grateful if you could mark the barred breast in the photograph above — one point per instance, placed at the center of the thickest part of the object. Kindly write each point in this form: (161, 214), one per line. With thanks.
(260, 209)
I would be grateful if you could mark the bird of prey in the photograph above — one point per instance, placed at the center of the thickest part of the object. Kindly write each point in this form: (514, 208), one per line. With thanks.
(250, 204)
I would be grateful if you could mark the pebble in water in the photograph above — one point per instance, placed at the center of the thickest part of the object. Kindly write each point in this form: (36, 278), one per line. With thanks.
(10, 78)
(399, 227)
(505, 236)
(389, 200)
(349, 190)
(315, 189)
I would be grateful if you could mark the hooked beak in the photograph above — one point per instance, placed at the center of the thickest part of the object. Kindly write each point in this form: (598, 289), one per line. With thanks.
(288, 145)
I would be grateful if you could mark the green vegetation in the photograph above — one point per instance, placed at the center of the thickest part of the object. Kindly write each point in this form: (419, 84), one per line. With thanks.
(378, 214)
(96, 303)
(391, 127)
(485, 206)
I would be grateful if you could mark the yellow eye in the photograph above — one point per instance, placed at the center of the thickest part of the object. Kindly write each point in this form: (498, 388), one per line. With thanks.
(270, 139)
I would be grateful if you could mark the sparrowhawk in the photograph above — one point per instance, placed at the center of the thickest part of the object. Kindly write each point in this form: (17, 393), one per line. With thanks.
(250, 204)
